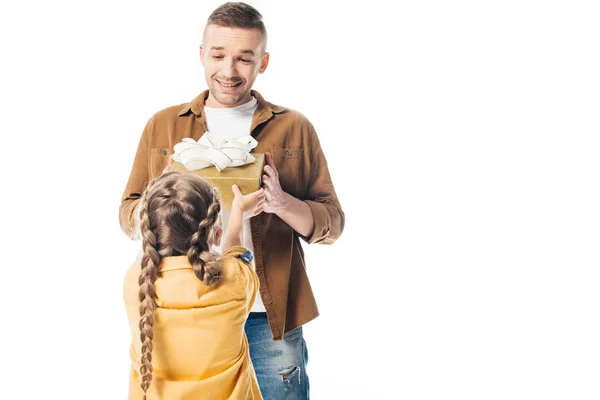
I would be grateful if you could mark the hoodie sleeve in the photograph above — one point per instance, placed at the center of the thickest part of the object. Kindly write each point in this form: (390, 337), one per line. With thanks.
(249, 279)
(131, 292)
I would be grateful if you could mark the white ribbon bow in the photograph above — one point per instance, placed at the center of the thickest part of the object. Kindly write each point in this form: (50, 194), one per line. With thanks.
(207, 151)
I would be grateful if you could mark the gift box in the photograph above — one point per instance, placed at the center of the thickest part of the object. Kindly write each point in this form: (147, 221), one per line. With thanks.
(248, 177)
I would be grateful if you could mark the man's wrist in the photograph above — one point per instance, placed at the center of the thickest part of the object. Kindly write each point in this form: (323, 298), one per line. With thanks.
(286, 206)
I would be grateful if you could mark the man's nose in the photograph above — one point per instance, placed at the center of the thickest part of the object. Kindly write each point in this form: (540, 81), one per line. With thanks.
(228, 69)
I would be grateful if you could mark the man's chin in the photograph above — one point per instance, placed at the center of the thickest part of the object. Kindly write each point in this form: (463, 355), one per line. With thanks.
(227, 99)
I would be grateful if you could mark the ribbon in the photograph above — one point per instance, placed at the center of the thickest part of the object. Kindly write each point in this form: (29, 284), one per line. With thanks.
(207, 151)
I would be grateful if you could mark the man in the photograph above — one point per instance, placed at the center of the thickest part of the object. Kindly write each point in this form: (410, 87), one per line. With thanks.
(301, 202)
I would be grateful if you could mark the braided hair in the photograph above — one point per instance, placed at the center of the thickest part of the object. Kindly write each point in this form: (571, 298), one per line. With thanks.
(178, 215)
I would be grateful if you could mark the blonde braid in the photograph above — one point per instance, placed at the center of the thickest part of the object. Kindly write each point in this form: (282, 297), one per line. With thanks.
(150, 261)
(207, 265)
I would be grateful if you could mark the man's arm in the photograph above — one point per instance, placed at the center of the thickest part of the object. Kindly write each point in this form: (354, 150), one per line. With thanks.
(319, 217)
(292, 211)
(138, 178)
(321, 197)
(297, 214)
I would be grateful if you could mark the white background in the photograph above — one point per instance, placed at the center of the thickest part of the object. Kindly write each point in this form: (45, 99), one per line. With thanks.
(462, 138)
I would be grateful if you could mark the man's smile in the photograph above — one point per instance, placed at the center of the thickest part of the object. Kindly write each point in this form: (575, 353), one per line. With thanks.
(228, 85)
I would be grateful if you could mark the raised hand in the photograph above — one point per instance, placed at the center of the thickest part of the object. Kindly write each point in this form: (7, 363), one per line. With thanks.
(250, 204)
(169, 163)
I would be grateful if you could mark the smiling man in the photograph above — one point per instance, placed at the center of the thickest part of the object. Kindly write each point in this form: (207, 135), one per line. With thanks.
(232, 58)
(301, 202)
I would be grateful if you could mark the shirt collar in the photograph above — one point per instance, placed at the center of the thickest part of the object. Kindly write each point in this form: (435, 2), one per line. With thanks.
(174, 262)
(171, 263)
(196, 106)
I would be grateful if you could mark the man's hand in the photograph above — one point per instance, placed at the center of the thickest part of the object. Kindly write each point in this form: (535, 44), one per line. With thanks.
(275, 197)
(251, 204)
(168, 167)
(296, 213)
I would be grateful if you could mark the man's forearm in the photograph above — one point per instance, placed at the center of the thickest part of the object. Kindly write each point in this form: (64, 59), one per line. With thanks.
(297, 215)
(127, 218)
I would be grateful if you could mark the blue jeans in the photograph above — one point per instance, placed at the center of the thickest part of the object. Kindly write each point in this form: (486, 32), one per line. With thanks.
(280, 365)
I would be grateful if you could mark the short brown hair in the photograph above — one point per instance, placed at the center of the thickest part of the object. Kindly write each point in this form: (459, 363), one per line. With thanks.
(238, 15)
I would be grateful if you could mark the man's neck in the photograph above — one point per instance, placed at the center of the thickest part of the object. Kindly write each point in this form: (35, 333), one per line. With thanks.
(213, 103)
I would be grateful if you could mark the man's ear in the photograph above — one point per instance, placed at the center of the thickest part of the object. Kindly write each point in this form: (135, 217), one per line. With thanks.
(264, 62)
(202, 55)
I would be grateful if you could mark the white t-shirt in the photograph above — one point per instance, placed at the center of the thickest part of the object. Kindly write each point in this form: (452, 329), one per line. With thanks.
(225, 124)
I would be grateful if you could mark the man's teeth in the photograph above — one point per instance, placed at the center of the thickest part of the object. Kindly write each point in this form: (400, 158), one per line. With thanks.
(229, 84)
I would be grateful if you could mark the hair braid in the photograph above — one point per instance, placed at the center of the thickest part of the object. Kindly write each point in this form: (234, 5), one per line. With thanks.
(148, 274)
(177, 214)
(207, 265)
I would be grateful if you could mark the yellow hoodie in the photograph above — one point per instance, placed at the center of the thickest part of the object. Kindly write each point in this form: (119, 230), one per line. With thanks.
(199, 347)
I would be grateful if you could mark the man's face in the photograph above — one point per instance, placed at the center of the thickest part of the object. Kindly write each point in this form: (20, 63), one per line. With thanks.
(232, 58)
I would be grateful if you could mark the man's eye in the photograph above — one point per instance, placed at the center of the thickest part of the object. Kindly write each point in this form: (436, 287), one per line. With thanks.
(246, 61)
(217, 57)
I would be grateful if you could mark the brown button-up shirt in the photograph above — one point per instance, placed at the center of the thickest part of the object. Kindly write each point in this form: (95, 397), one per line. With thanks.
(303, 173)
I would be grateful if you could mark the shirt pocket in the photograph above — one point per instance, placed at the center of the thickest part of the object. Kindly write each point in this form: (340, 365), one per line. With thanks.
(288, 162)
(159, 156)
(286, 153)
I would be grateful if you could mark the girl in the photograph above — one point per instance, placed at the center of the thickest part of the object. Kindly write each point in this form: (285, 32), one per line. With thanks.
(186, 304)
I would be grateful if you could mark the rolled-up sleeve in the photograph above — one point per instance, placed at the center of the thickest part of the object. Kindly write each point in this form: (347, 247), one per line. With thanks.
(138, 179)
(321, 197)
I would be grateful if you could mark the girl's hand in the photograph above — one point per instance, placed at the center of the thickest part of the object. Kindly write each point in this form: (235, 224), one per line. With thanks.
(250, 204)
(168, 167)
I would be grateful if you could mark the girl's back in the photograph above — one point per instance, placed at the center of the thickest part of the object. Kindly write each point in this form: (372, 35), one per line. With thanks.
(186, 304)
(199, 348)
